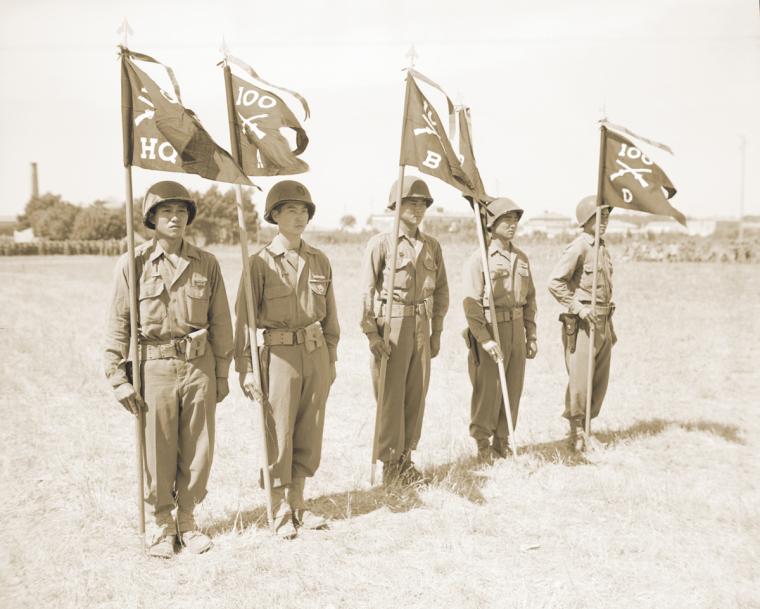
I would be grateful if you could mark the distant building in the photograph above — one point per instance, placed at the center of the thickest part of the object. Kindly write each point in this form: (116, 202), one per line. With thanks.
(549, 224)
(24, 236)
(701, 228)
(7, 225)
(616, 226)
(659, 227)
(436, 220)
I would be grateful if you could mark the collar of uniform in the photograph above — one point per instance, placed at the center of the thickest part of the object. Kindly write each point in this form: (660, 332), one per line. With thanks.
(419, 237)
(277, 247)
(495, 248)
(589, 238)
(186, 249)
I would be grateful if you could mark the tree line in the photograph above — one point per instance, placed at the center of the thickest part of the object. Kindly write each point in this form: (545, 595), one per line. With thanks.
(55, 219)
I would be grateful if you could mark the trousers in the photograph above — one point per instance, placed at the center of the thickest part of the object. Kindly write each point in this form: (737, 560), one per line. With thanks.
(179, 435)
(488, 416)
(298, 384)
(577, 368)
(406, 384)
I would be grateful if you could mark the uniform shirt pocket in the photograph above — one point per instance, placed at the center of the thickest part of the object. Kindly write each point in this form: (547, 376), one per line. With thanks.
(197, 300)
(431, 273)
(319, 285)
(277, 302)
(152, 310)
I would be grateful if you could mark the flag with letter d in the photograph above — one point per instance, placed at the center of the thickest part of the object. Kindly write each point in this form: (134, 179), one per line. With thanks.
(425, 144)
(634, 181)
(160, 133)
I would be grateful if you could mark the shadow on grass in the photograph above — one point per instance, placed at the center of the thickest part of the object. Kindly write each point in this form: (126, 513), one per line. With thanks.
(465, 476)
(558, 451)
(460, 477)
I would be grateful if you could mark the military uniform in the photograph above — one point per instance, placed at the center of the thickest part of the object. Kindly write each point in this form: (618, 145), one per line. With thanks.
(185, 343)
(420, 301)
(571, 283)
(296, 314)
(515, 299)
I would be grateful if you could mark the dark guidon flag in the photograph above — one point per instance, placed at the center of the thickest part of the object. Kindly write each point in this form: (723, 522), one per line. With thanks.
(259, 116)
(425, 144)
(632, 180)
(160, 133)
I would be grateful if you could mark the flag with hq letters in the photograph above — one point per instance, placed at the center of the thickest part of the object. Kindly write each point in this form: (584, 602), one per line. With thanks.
(160, 133)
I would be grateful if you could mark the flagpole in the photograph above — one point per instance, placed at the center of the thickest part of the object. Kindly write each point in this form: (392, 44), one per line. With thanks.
(592, 326)
(488, 285)
(126, 102)
(248, 292)
(389, 293)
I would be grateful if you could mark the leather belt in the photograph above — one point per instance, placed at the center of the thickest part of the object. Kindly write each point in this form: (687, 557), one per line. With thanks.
(274, 337)
(403, 310)
(504, 314)
(172, 349)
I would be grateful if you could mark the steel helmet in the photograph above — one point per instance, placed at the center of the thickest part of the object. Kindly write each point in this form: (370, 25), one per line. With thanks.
(587, 208)
(412, 188)
(164, 191)
(288, 191)
(501, 207)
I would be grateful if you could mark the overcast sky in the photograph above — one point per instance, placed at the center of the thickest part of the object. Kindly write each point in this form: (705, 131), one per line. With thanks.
(537, 76)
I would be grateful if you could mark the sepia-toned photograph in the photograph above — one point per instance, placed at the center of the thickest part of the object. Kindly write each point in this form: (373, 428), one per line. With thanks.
(380, 304)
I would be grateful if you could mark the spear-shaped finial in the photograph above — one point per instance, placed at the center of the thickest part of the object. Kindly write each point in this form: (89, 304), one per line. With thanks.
(412, 55)
(126, 31)
(224, 48)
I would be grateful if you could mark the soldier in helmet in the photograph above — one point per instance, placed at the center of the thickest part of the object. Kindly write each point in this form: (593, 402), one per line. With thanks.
(295, 307)
(185, 345)
(570, 283)
(419, 302)
(514, 297)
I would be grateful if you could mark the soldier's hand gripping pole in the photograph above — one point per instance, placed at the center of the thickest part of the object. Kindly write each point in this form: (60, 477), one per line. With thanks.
(248, 292)
(488, 286)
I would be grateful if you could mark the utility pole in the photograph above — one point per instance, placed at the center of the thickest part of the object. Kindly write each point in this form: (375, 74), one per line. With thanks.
(743, 148)
(35, 183)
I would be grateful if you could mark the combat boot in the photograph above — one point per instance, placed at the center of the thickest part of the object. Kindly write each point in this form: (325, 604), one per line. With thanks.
(486, 454)
(306, 519)
(391, 472)
(409, 475)
(162, 547)
(501, 447)
(195, 542)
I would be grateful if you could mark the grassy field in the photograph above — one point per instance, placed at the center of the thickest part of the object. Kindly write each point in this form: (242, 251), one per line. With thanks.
(668, 515)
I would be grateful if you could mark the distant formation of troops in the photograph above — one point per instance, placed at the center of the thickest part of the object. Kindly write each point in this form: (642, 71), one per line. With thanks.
(186, 345)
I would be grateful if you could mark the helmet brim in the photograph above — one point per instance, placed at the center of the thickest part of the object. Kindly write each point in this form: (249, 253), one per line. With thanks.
(191, 211)
(309, 206)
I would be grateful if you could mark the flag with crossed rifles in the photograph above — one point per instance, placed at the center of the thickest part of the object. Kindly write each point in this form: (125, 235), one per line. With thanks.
(632, 180)
(160, 133)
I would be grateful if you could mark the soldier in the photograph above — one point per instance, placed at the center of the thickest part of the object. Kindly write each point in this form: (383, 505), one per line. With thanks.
(185, 345)
(515, 299)
(295, 306)
(419, 303)
(570, 283)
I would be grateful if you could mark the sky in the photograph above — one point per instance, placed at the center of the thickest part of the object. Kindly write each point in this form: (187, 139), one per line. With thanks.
(537, 76)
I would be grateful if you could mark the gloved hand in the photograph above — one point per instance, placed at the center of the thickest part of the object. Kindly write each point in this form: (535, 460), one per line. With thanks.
(378, 348)
(222, 388)
(435, 344)
(251, 390)
(130, 399)
(531, 348)
(493, 350)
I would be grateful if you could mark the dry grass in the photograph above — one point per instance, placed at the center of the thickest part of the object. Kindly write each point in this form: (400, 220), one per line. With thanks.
(666, 516)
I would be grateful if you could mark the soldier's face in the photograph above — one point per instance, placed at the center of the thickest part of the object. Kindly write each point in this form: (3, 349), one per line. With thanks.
(291, 218)
(412, 211)
(603, 221)
(506, 226)
(171, 219)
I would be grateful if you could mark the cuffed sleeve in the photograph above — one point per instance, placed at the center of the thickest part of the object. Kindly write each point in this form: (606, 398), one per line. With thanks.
(219, 322)
(561, 277)
(474, 284)
(117, 334)
(441, 293)
(330, 325)
(374, 258)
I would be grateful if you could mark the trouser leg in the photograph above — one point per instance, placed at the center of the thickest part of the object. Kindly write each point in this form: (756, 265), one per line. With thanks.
(285, 381)
(417, 381)
(486, 396)
(512, 336)
(391, 424)
(161, 422)
(310, 418)
(197, 390)
(577, 368)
